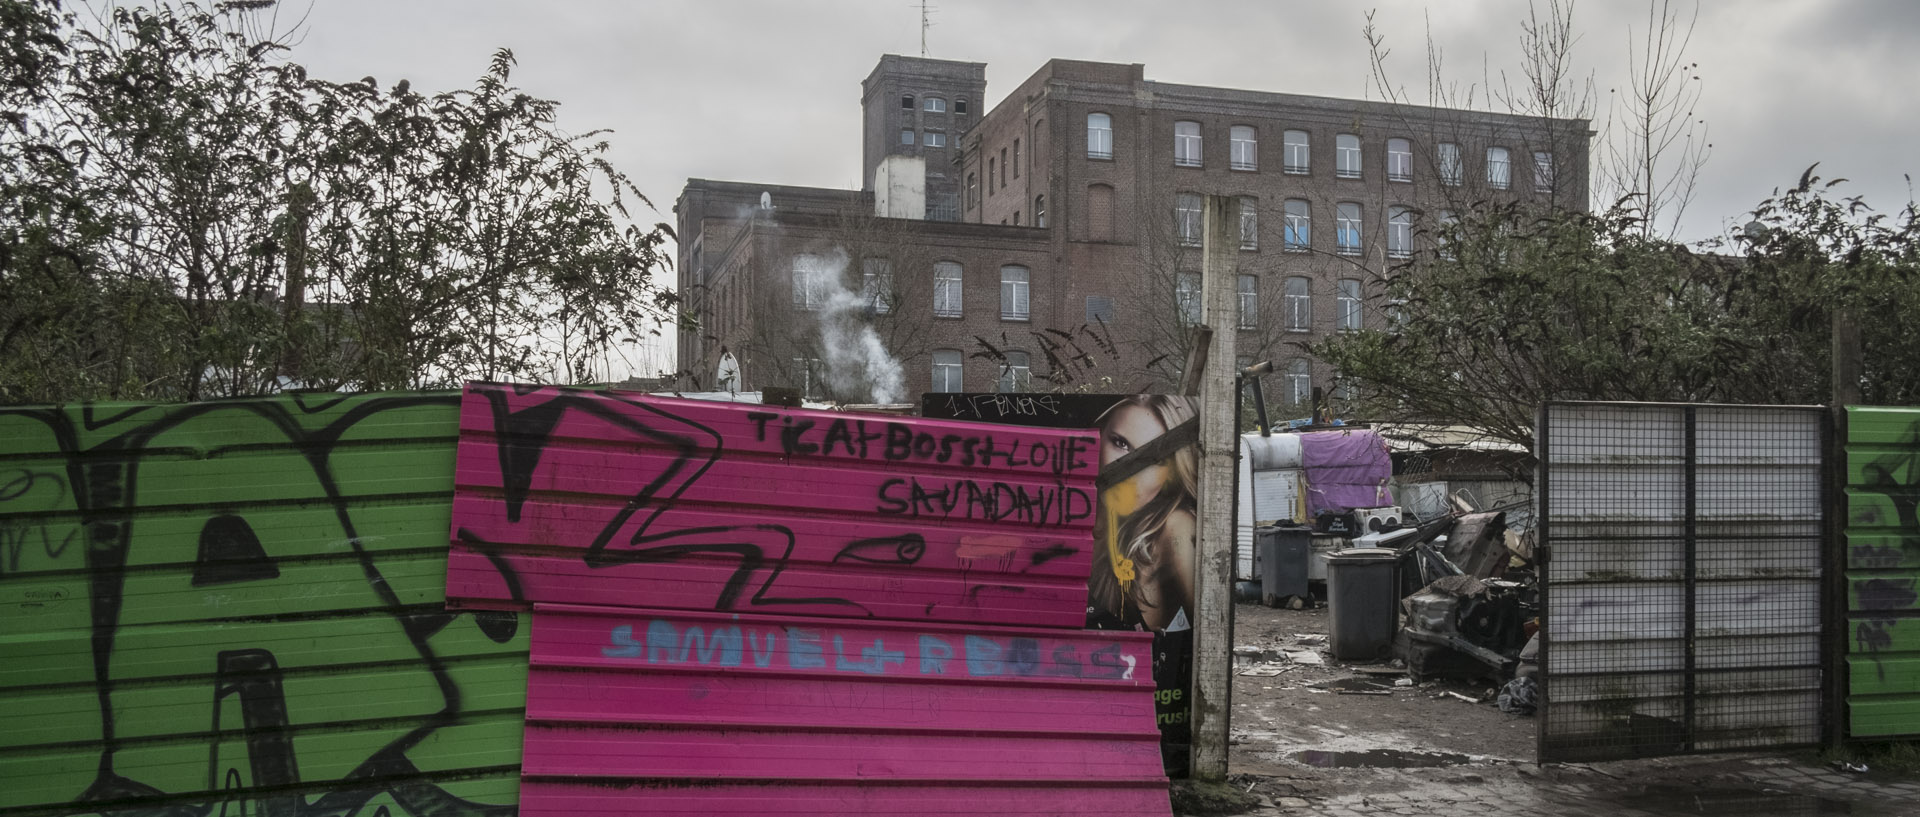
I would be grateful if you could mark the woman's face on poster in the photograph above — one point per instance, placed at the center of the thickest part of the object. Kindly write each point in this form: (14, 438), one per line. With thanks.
(1130, 427)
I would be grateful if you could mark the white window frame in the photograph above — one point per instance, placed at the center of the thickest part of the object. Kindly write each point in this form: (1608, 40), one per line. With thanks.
(806, 275)
(1245, 141)
(1186, 298)
(1399, 160)
(1040, 210)
(1015, 293)
(1347, 304)
(876, 285)
(1299, 383)
(1399, 232)
(1186, 218)
(949, 371)
(1247, 292)
(1186, 144)
(1299, 225)
(1346, 156)
(1099, 136)
(1249, 223)
(1452, 164)
(1543, 171)
(933, 104)
(948, 289)
(935, 139)
(1016, 373)
(1299, 301)
(1499, 168)
(1346, 228)
(906, 136)
(1296, 152)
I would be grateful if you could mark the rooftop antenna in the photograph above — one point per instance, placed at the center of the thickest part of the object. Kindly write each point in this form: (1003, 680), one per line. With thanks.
(926, 22)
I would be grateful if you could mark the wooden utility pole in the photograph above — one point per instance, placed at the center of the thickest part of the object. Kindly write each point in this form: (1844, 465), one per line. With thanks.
(1213, 576)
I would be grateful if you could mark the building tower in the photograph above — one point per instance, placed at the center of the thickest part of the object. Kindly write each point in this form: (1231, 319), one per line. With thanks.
(913, 106)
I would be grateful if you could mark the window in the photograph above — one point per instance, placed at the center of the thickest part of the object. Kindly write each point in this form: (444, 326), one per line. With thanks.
(1016, 218)
(1499, 171)
(1040, 211)
(1013, 293)
(935, 104)
(1246, 149)
(1100, 310)
(973, 191)
(1452, 172)
(1186, 218)
(946, 289)
(1299, 384)
(1015, 373)
(808, 370)
(1399, 232)
(1347, 304)
(811, 279)
(1344, 388)
(1346, 228)
(1346, 156)
(990, 168)
(1299, 225)
(936, 139)
(1099, 212)
(1186, 297)
(1016, 158)
(1186, 144)
(1099, 136)
(1299, 303)
(1003, 167)
(876, 285)
(946, 370)
(1296, 153)
(1249, 223)
(906, 136)
(1249, 294)
(1542, 172)
(906, 102)
(1449, 223)
(960, 106)
(1399, 160)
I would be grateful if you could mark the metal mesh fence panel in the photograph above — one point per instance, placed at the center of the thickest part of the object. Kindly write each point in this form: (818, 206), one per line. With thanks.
(1682, 578)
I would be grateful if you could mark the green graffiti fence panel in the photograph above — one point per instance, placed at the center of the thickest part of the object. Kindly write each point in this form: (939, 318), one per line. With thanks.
(239, 608)
(1883, 570)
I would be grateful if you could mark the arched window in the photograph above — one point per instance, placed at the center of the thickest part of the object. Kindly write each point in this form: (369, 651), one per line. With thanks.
(1014, 281)
(1016, 373)
(1399, 232)
(1346, 156)
(947, 279)
(1246, 148)
(1186, 144)
(1297, 152)
(947, 366)
(1347, 304)
(1399, 160)
(1099, 136)
(1299, 384)
(906, 102)
(1499, 169)
(1299, 225)
(1346, 228)
(1299, 304)
(1186, 218)
(1249, 223)
(1452, 167)
(1249, 296)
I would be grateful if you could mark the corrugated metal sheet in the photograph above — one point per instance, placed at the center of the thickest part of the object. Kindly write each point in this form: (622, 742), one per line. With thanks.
(675, 713)
(1883, 572)
(606, 498)
(1683, 579)
(237, 607)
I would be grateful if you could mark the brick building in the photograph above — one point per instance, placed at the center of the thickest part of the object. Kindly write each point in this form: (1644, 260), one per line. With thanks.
(1057, 234)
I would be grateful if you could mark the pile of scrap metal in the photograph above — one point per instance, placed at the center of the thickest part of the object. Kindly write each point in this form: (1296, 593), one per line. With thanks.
(1469, 604)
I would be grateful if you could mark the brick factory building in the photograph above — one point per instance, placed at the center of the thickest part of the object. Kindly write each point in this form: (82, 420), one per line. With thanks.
(1052, 241)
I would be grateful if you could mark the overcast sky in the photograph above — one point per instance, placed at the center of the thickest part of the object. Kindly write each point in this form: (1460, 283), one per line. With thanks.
(769, 91)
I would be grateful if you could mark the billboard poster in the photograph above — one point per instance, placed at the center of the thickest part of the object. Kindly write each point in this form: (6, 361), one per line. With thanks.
(1145, 532)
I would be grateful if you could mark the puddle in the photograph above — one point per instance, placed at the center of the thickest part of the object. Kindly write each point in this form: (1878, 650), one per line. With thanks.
(1379, 759)
(1688, 801)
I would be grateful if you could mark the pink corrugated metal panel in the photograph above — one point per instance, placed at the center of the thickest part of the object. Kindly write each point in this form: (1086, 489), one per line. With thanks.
(608, 498)
(663, 712)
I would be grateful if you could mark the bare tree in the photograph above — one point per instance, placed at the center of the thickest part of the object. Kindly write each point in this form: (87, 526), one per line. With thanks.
(1654, 145)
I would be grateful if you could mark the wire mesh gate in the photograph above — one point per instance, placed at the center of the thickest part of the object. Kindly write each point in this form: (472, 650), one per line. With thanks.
(1682, 575)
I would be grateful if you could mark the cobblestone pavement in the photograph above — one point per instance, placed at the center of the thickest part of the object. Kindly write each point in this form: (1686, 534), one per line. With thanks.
(1744, 785)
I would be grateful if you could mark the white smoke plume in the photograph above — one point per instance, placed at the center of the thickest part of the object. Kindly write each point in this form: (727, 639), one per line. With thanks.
(857, 363)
